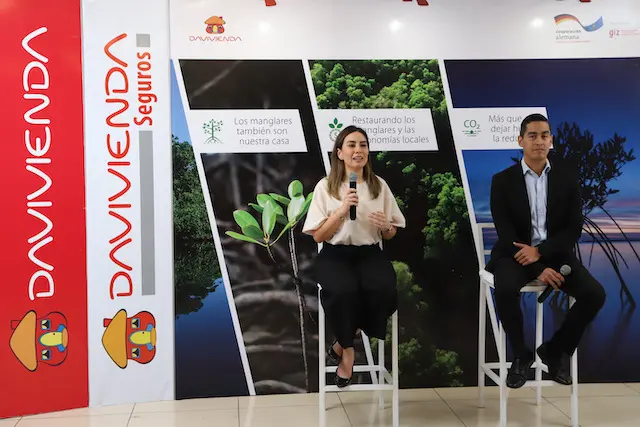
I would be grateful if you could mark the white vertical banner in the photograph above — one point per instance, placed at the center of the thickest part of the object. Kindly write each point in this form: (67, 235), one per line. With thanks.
(129, 200)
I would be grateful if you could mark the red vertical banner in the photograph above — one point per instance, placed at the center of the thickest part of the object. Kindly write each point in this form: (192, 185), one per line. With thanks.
(43, 307)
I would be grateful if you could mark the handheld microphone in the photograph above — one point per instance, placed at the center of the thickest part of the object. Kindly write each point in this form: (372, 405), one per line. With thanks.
(353, 178)
(565, 270)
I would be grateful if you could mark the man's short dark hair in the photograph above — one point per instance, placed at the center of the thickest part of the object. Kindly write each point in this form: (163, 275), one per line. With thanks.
(531, 118)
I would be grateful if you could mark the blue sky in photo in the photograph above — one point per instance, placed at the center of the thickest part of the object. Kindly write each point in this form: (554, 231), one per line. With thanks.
(179, 126)
(481, 165)
(601, 95)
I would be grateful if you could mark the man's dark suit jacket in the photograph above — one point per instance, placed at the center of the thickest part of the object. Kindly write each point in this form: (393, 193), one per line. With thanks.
(512, 216)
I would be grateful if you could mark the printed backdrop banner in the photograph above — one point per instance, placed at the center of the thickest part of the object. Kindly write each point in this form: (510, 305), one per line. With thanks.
(111, 247)
(260, 93)
(128, 158)
(43, 308)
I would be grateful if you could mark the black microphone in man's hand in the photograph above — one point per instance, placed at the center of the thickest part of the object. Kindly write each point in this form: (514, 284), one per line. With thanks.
(352, 184)
(565, 270)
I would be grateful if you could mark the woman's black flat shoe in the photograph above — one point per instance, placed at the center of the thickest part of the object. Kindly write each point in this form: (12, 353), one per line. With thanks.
(331, 353)
(343, 382)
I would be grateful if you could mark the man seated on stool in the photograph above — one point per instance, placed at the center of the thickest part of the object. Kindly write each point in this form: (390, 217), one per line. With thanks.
(537, 211)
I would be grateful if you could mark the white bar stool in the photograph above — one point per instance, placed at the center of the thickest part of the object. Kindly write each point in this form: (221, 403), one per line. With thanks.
(382, 382)
(487, 369)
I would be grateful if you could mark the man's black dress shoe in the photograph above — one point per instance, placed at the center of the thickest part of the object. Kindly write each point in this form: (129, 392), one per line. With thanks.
(520, 368)
(556, 364)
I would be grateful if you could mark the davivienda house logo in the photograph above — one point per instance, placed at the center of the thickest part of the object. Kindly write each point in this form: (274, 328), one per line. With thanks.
(570, 28)
(215, 32)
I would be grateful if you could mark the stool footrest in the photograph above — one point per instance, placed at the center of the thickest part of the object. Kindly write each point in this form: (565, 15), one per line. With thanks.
(359, 387)
(359, 368)
(367, 369)
(495, 366)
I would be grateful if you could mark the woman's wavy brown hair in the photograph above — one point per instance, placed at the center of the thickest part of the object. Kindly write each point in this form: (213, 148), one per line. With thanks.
(338, 173)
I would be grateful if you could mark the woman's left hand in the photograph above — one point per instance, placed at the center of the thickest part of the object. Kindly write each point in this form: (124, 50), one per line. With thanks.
(379, 220)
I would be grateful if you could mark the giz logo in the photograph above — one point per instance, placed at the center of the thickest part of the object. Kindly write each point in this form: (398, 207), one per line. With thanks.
(215, 25)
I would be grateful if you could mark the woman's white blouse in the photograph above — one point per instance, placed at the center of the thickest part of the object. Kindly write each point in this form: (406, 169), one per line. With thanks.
(358, 232)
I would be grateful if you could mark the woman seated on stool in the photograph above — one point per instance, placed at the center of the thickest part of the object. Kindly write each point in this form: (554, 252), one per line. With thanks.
(357, 279)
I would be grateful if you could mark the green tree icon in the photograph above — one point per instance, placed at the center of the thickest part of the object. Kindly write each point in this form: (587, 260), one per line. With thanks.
(211, 128)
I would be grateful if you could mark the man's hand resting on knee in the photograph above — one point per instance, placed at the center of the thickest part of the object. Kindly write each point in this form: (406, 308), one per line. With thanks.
(527, 255)
(551, 277)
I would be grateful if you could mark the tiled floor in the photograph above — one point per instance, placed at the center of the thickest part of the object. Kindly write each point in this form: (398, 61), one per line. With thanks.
(600, 405)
